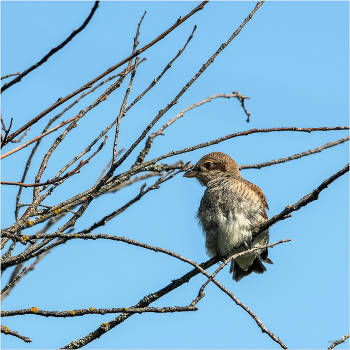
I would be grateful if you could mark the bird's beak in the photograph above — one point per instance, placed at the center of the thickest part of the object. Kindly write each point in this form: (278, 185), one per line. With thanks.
(191, 173)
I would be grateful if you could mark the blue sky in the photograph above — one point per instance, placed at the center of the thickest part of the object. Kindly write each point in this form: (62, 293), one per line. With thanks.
(292, 60)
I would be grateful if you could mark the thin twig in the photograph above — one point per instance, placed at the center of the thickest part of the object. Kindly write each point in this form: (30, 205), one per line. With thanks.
(25, 272)
(22, 137)
(340, 341)
(20, 224)
(151, 298)
(149, 141)
(35, 250)
(122, 111)
(295, 156)
(108, 165)
(7, 331)
(52, 51)
(111, 69)
(238, 134)
(241, 99)
(10, 75)
(56, 179)
(312, 196)
(37, 138)
(122, 108)
(9, 285)
(94, 311)
(184, 89)
(155, 81)
(235, 256)
(6, 131)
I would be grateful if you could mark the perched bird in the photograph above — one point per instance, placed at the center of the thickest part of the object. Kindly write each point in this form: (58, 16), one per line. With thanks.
(230, 208)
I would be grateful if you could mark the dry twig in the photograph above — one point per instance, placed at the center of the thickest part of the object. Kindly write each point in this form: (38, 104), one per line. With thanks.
(52, 52)
(340, 341)
(7, 331)
(111, 69)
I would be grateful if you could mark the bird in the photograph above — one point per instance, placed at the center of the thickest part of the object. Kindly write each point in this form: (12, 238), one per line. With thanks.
(229, 210)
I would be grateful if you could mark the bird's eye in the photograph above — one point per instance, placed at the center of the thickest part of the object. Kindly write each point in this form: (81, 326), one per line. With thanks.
(208, 165)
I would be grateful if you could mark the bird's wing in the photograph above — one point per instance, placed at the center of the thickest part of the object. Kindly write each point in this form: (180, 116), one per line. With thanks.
(258, 191)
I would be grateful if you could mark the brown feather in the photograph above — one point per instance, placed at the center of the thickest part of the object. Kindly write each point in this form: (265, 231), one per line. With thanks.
(258, 191)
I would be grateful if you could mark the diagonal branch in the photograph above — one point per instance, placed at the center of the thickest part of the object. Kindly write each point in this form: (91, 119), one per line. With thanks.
(57, 179)
(151, 137)
(155, 81)
(10, 75)
(295, 156)
(184, 279)
(340, 341)
(6, 131)
(9, 285)
(235, 256)
(84, 206)
(312, 196)
(111, 69)
(185, 88)
(7, 331)
(53, 51)
(37, 138)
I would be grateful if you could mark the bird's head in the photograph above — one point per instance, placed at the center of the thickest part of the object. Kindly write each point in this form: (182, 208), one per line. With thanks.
(213, 166)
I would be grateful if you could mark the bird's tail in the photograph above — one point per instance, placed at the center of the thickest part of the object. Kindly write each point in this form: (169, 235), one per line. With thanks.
(238, 273)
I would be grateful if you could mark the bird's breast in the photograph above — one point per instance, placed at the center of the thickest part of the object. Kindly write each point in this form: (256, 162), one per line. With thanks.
(233, 231)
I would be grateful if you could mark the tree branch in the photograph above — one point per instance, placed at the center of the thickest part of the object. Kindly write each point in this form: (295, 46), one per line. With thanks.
(37, 138)
(9, 285)
(10, 75)
(151, 137)
(93, 311)
(111, 69)
(340, 341)
(57, 179)
(52, 51)
(312, 196)
(295, 156)
(7, 331)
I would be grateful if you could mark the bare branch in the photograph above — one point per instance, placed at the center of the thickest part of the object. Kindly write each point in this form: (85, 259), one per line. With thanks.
(340, 341)
(235, 256)
(155, 81)
(57, 179)
(10, 75)
(24, 272)
(241, 99)
(150, 138)
(36, 200)
(185, 88)
(7, 331)
(295, 156)
(242, 133)
(122, 109)
(52, 51)
(37, 138)
(9, 285)
(6, 131)
(35, 250)
(312, 196)
(175, 283)
(111, 69)
(94, 311)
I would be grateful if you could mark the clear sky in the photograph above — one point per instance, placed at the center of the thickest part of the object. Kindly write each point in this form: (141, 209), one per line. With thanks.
(292, 60)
